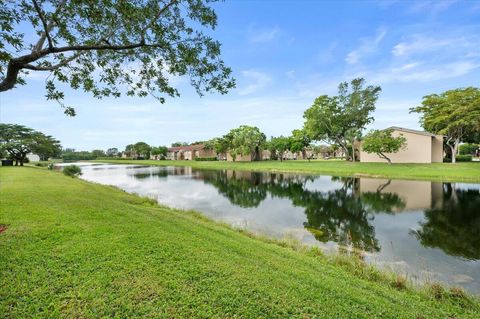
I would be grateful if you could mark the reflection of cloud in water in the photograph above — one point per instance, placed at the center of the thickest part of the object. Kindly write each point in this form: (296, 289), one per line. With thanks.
(325, 211)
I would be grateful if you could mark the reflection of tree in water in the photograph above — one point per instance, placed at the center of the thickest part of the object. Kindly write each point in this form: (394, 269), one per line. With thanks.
(454, 227)
(341, 215)
(380, 201)
(158, 174)
(241, 191)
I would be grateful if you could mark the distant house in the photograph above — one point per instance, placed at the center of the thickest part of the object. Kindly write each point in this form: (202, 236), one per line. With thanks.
(33, 157)
(189, 152)
(421, 147)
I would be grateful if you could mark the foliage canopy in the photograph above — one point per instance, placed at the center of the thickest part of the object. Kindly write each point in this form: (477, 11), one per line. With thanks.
(107, 47)
(382, 142)
(454, 114)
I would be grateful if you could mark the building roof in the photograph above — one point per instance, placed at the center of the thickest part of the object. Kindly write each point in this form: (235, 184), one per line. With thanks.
(195, 147)
(408, 130)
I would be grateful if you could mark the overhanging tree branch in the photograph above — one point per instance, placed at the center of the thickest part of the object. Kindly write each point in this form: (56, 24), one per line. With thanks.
(44, 23)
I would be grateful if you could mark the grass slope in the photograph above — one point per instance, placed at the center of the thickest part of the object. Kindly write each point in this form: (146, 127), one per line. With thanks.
(80, 250)
(468, 172)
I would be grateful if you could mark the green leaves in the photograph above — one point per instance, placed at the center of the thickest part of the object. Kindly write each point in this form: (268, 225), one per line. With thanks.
(110, 47)
(18, 141)
(246, 140)
(341, 118)
(382, 142)
(454, 113)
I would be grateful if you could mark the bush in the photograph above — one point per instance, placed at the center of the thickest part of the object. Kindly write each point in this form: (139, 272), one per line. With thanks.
(72, 171)
(468, 149)
(464, 158)
(204, 159)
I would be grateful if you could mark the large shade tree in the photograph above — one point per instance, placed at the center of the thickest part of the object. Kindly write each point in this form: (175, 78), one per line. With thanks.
(278, 146)
(110, 47)
(142, 149)
(246, 140)
(342, 118)
(299, 142)
(454, 114)
(18, 141)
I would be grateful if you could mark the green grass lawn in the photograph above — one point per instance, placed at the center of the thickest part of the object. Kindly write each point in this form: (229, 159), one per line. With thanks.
(469, 172)
(74, 249)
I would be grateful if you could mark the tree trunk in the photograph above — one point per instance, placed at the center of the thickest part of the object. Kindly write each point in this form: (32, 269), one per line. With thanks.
(454, 151)
(353, 153)
(384, 157)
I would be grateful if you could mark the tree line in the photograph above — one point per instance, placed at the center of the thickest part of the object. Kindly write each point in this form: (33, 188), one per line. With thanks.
(17, 141)
(341, 120)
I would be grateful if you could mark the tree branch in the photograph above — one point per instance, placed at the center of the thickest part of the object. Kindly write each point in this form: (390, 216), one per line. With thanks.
(52, 67)
(44, 23)
(50, 26)
(159, 13)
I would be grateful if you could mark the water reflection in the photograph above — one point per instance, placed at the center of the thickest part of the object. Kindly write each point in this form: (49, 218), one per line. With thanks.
(453, 225)
(430, 229)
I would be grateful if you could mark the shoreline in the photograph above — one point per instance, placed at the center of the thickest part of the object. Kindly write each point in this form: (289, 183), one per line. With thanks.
(471, 173)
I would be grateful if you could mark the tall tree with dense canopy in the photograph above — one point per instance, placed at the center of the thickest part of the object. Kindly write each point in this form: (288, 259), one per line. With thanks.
(278, 146)
(299, 142)
(142, 149)
(160, 151)
(18, 141)
(342, 118)
(382, 142)
(47, 147)
(112, 152)
(454, 114)
(130, 150)
(220, 145)
(246, 140)
(107, 47)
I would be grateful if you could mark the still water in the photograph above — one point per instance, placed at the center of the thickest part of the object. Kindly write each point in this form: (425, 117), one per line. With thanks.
(429, 231)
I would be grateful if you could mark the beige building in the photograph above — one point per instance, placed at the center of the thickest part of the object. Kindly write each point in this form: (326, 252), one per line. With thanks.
(421, 147)
(189, 152)
(414, 195)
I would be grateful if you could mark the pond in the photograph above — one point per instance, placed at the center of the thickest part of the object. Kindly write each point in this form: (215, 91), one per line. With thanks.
(429, 231)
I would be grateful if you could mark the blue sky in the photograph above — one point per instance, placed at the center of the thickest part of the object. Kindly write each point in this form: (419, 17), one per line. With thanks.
(283, 54)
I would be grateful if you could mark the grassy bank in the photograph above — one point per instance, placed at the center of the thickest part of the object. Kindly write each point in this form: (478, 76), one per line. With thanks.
(468, 172)
(80, 250)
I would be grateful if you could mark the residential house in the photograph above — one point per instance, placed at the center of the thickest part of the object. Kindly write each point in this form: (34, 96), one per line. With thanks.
(33, 157)
(421, 147)
(189, 152)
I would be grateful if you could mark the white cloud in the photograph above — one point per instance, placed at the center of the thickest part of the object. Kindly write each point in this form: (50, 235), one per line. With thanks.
(263, 36)
(290, 74)
(368, 46)
(431, 7)
(417, 72)
(257, 80)
(420, 44)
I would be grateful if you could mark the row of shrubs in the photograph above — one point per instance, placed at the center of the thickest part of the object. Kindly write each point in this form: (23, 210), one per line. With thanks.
(459, 158)
(205, 159)
(115, 158)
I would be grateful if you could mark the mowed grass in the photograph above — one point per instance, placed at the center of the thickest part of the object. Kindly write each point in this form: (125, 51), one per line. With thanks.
(467, 171)
(74, 249)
